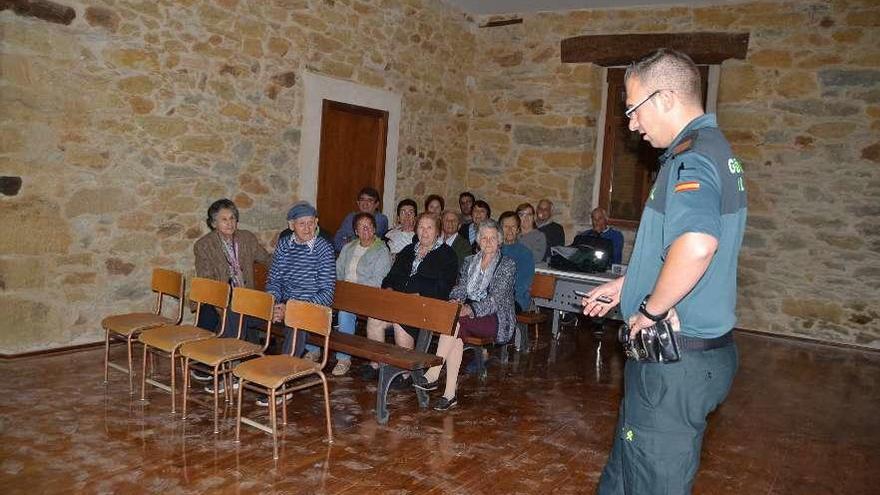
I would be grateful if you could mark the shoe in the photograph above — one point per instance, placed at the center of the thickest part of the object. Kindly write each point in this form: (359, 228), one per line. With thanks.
(445, 404)
(314, 356)
(423, 384)
(221, 385)
(342, 367)
(402, 384)
(202, 377)
(369, 373)
(263, 400)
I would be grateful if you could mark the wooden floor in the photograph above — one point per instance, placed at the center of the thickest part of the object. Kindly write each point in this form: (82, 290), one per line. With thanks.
(801, 419)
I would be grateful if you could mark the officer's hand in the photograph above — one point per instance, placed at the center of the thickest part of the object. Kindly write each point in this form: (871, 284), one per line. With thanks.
(637, 322)
(610, 291)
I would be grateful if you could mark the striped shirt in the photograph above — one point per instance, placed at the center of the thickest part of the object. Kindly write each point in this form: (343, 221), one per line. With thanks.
(303, 272)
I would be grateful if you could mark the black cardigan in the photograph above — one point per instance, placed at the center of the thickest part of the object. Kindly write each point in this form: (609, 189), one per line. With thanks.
(435, 277)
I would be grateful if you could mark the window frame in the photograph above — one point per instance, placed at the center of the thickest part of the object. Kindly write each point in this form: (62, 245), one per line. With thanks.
(604, 171)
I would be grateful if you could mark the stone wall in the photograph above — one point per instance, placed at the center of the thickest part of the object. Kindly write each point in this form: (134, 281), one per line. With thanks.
(127, 122)
(803, 111)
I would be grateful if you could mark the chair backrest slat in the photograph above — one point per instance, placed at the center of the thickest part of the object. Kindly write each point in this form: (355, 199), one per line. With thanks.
(252, 302)
(406, 309)
(168, 282)
(308, 316)
(207, 291)
(543, 286)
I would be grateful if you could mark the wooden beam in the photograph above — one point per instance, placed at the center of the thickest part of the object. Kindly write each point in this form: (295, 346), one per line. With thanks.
(41, 9)
(502, 22)
(610, 50)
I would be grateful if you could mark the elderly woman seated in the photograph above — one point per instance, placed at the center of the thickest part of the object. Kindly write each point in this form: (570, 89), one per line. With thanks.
(365, 260)
(530, 236)
(485, 290)
(226, 254)
(427, 267)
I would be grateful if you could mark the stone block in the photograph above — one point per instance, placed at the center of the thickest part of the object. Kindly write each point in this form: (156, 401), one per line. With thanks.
(771, 58)
(43, 324)
(236, 111)
(133, 58)
(98, 201)
(817, 107)
(137, 85)
(797, 84)
(738, 83)
(163, 127)
(815, 309)
(865, 78)
(140, 105)
(201, 144)
(102, 17)
(832, 130)
(80, 156)
(79, 278)
(872, 153)
(47, 231)
(564, 137)
(116, 266)
(22, 273)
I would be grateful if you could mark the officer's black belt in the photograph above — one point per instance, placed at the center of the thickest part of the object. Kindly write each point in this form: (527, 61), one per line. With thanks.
(695, 344)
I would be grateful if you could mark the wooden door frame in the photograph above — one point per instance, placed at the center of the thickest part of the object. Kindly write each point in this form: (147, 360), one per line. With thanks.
(318, 88)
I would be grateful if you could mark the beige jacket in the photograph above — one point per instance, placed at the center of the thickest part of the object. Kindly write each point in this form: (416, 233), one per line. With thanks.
(211, 259)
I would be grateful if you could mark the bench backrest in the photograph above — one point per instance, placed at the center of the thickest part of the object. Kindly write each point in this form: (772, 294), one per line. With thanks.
(406, 309)
(543, 286)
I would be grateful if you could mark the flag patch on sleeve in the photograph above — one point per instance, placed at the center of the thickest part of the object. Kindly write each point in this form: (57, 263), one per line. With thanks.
(687, 186)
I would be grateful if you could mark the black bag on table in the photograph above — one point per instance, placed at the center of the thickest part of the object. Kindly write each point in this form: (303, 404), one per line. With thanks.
(587, 254)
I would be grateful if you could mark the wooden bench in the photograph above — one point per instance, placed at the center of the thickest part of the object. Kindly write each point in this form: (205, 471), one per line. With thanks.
(427, 314)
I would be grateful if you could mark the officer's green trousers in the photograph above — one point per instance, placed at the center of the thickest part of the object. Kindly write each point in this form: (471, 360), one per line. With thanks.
(662, 419)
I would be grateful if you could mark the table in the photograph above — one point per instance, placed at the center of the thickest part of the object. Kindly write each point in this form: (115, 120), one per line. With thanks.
(564, 298)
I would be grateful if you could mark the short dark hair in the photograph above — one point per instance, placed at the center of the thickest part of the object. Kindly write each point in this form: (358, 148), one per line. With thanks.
(509, 214)
(668, 69)
(484, 205)
(435, 197)
(369, 191)
(467, 194)
(357, 218)
(216, 206)
(407, 202)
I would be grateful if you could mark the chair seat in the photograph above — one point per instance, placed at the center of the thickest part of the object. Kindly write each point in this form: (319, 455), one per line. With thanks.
(170, 337)
(130, 323)
(531, 318)
(215, 351)
(274, 371)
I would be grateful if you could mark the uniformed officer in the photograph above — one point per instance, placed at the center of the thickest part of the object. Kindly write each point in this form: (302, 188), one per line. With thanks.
(683, 267)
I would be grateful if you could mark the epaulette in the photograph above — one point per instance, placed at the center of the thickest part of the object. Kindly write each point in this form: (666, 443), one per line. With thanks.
(683, 146)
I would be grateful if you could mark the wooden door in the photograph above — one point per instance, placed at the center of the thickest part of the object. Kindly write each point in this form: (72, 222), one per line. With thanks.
(352, 156)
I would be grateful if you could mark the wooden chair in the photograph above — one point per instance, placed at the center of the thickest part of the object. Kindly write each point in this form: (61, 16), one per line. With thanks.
(167, 340)
(543, 286)
(271, 374)
(218, 354)
(129, 326)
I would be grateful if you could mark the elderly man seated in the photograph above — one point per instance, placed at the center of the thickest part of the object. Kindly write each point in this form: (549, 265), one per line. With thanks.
(554, 232)
(303, 269)
(602, 230)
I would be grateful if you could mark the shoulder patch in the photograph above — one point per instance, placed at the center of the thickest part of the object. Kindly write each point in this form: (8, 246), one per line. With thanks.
(687, 186)
(683, 146)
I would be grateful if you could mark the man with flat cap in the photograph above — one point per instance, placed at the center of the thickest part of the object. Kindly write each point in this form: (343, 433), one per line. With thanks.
(303, 269)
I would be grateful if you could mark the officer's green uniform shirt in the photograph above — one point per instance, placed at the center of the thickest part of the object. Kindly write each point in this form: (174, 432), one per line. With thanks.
(700, 188)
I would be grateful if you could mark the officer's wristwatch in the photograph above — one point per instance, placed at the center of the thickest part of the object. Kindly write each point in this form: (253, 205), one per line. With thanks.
(643, 309)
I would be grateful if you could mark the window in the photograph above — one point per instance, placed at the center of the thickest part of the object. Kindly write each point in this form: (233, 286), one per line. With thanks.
(629, 164)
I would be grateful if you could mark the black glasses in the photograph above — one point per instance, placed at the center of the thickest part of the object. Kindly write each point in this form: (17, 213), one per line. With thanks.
(631, 110)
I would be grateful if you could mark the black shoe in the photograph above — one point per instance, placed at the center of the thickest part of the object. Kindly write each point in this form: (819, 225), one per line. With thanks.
(423, 384)
(445, 404)
(402, 383)
(369, 373)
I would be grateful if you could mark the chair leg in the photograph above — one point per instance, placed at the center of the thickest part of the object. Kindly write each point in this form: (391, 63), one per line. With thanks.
(216, 396)
(173, 382)
(238, 413)
(106, 355)
(185, 386)
(144, 373)
(327, 408)
(273, 418)
(283, 408)
(130, 370)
